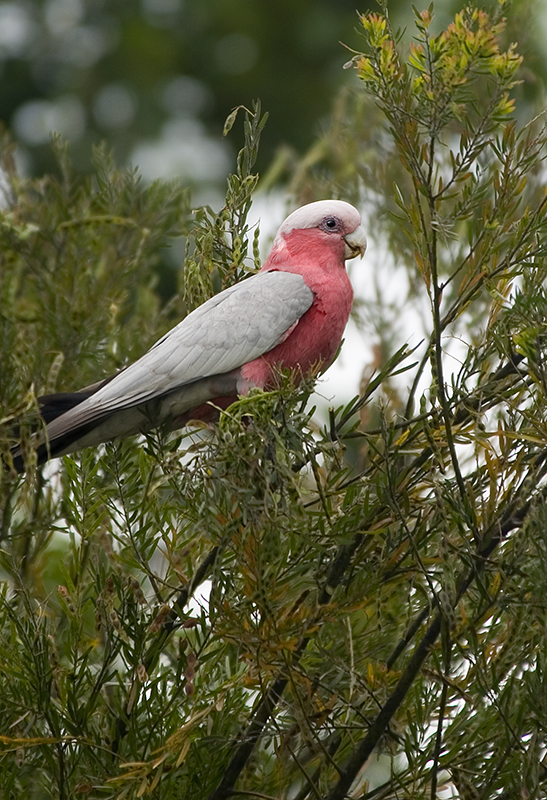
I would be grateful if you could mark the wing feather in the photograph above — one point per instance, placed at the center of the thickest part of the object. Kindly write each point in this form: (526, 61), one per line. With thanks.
(233, 327)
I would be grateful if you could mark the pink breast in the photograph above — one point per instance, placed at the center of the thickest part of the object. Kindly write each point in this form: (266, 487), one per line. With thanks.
(314, 340)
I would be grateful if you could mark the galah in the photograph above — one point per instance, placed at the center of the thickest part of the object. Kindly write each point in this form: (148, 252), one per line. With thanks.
(291, 314)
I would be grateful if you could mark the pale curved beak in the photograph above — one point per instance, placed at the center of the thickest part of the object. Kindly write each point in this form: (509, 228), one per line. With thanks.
(356, 243)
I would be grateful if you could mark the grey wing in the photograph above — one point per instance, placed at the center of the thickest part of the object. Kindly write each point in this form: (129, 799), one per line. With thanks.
(232, 328)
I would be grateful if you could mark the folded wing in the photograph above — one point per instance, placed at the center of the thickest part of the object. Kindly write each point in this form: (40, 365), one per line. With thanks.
(232, 328)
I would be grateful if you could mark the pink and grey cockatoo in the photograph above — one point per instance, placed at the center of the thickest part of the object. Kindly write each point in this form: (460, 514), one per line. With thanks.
(291, 314)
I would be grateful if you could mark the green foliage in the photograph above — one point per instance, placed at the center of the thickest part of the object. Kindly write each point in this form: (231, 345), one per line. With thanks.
(394, 607)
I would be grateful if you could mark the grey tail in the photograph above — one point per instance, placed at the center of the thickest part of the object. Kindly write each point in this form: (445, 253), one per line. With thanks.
(51, 407)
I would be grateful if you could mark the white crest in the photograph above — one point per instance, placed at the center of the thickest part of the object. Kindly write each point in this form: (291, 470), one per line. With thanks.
(311, 215)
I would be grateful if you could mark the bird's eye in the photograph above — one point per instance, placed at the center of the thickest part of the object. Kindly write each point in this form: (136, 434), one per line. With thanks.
(330, 224)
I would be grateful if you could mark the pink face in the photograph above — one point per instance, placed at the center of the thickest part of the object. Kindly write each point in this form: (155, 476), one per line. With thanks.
(326, 223)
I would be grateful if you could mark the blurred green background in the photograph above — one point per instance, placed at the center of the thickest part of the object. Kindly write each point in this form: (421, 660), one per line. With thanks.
(157, 78)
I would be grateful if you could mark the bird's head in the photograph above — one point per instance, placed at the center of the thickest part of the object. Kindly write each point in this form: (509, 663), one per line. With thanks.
(335, 218)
